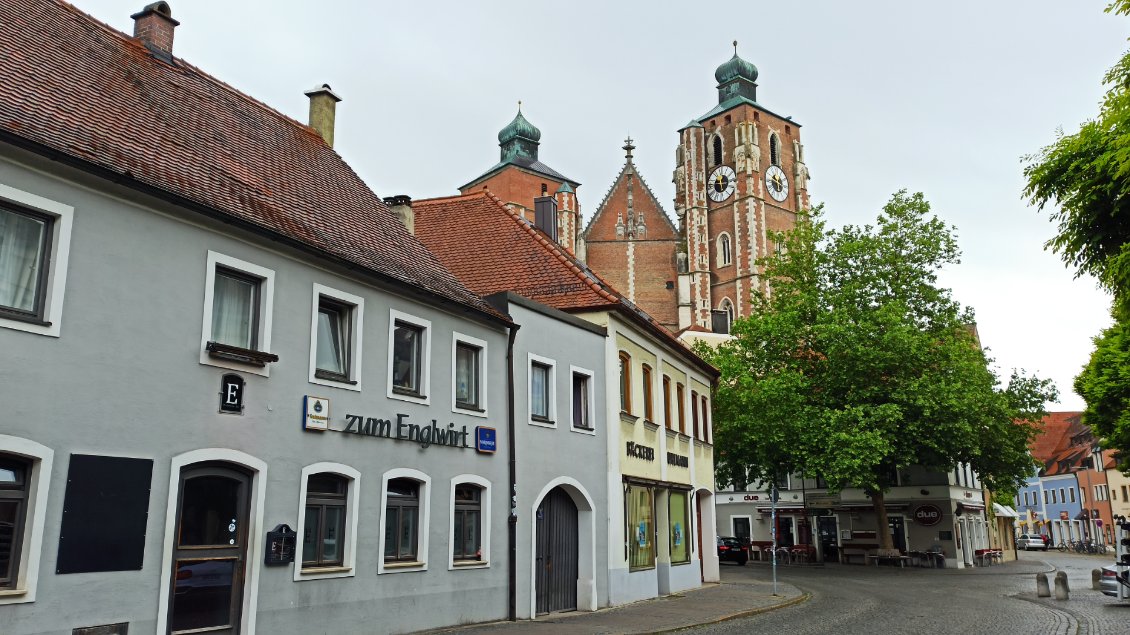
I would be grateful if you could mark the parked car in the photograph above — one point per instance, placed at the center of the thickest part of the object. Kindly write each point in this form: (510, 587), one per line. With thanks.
(1108, 583)
(733, 550)
(1031, 541)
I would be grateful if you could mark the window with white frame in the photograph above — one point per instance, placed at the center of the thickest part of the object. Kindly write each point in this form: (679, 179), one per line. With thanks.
(541, 390)
(582, 405)
(470, 522)
(725, 251)
(238, 298)
(409, 349)
(35, 236)
(24, 477)
(336, 327)
(328, 517)
(1071, 493)
(468, 375)
(405, 522)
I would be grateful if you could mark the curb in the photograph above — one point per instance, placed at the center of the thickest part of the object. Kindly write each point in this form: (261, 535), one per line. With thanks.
(803, 597)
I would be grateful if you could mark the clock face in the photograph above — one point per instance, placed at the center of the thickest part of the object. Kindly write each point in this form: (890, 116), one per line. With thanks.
(777, 183)
(722, 182)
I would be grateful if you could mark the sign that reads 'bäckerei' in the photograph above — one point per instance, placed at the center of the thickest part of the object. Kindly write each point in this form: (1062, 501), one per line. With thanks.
(641, 451)
(928, 515)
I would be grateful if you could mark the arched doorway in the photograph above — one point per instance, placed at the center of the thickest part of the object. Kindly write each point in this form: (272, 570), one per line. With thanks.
(556, 553)
(209, 554)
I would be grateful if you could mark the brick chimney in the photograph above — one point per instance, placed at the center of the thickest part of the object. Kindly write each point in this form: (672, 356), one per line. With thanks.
(154, 26)
(402, 205)
(323, 107)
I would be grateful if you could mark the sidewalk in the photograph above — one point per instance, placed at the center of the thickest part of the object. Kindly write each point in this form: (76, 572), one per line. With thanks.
(707, 605)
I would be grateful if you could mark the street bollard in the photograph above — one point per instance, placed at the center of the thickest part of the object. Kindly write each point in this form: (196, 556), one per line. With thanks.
(1097, 579)
(1042, 589)
(1061, 590)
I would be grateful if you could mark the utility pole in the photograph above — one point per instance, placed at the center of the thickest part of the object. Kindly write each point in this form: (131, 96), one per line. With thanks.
(774, 496)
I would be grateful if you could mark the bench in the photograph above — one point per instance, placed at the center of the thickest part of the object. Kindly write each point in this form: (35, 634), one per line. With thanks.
(900, 560)
(847, 553)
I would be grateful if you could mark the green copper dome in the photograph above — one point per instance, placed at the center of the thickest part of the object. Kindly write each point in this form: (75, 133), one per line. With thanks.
(519, 129)
(733, 69)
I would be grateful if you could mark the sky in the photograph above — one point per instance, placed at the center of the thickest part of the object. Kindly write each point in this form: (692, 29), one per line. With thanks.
(941, 98)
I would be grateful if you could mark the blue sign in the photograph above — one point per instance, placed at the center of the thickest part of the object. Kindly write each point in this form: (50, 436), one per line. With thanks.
(485, 440)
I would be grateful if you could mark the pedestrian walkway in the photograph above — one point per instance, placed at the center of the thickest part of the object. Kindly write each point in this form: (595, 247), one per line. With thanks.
(707, 605)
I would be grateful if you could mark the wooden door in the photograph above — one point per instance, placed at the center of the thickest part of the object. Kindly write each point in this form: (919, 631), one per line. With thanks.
(556, 553)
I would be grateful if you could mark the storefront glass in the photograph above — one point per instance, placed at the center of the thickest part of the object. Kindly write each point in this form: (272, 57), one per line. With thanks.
(678, 529)
(641, 528)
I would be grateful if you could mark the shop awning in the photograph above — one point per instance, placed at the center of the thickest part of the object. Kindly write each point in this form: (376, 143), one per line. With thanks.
(969, 507)
(781, 510)
(862, 507)
(1004, 511)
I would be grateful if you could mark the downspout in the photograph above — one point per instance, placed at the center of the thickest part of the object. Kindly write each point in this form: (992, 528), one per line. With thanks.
(512, 522)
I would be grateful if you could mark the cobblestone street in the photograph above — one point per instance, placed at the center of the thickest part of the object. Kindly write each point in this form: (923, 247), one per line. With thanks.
(850, 599)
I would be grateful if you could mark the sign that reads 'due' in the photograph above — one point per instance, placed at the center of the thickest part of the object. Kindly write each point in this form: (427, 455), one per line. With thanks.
(928, 515)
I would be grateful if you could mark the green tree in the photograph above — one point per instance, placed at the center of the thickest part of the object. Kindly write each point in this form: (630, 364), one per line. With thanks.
(1105, 385)
(856, 362)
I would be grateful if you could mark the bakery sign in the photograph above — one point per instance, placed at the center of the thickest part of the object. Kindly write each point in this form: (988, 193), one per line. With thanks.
(928, 515)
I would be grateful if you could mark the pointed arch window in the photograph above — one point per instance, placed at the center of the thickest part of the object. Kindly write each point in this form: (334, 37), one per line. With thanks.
(717, 150)
(728, 307)
(725, 250)
(774, 149)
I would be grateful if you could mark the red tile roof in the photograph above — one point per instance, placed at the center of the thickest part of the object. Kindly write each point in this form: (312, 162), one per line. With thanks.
(71, 85)
(1058, 429)
(493, 249)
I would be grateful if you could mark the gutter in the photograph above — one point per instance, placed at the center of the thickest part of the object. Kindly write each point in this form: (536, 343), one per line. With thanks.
(512, 521)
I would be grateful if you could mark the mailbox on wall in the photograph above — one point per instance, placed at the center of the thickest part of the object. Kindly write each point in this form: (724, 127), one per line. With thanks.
(280, 546)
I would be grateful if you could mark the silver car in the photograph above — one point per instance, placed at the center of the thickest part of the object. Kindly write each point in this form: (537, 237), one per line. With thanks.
(1031, 541)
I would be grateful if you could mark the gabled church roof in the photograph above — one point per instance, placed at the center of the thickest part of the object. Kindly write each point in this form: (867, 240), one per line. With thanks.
(526, 163)
(646, 191)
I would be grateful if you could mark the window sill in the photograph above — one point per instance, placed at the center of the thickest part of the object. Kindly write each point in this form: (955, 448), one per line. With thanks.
(542, 422)
(589, 431)
(671, 434)
(323, 573)
(680, 563)
(469, 410)
(12, 593)
(16, 316)
(333, 377)
(643, 568)
(403, 394)
(628, 417)
(650, 425)
(399, 567)
(247, 356)
(470, 564)
(684, 438)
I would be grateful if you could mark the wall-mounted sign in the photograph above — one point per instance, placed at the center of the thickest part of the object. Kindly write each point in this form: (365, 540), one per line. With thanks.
(231, 393)
(280, 546)
(485, 440)
(317, 411)
(928, 515)
(751, 497)
(401, 429)
(822, 501)
(677, 460)
(641, 451)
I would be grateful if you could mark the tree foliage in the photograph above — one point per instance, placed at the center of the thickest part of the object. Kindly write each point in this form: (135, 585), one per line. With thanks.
(1105, 386)
(856, 361)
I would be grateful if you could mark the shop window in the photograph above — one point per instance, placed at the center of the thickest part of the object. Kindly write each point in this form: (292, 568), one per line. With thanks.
(667, 403)
(468, 375)
(681, 407)
(409, 352)
(678, 529)
(324, 527)
(625, 383)
(35, 236)
(238, 301)
(14, 476)
(541, 391)
(335, 338)
(466, 539)
(582, 403)
(645, 373)
(402, 520)
(641, 527)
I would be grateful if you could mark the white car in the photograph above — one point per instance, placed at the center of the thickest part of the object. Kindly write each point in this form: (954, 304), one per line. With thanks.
(1031, 541)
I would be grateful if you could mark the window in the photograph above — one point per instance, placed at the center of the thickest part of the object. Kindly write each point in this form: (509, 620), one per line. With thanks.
(237, 315)
(680, 406)
(25, 468)
(694, 413)
(706, 432)
(402, 520)
(582, 402)
(409, 352)
(1053, 501)
(14, 475)
(541, 390)
(466, 539)
(1062, 495)
(335, 338)
(468, 376)
(323, 532)
(717, 150)
(667, 403)
(641, 528)
(1071, 492)
(1125, 494)
(1082, 496)
(725, 256)
(625, 383)
(647, 401)
(774, 149)
(35, 235)
(1045, 497)
(677, 531)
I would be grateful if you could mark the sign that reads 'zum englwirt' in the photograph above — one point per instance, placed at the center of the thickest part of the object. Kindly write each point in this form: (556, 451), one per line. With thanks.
(401, 429)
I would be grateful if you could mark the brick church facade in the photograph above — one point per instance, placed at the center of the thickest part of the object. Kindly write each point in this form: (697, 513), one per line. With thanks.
(739, 175)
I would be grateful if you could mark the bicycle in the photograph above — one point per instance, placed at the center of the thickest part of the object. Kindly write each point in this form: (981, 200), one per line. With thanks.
(1062, 546)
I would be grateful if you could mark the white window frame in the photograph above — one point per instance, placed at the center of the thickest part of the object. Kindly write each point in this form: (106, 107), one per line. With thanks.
(423, 528)
(40, 458)
(425, 327)
(457, 339)
(352, 496)
(592, 400)
(551, 386)
(484, 520)
(266, 310)
(356, 324)
(725, 251)
(62, 223)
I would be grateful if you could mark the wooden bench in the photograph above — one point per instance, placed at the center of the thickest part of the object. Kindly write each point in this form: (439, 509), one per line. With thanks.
(900, 560)
(847, 553)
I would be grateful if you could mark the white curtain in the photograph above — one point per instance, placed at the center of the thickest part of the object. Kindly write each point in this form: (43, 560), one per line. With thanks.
(329, 343)
(21, 258)
(232, 311)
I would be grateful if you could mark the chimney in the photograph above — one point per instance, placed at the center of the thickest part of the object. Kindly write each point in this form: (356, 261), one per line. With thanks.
(154, 26)
(402, 205)
(323, 104)
(545, 216)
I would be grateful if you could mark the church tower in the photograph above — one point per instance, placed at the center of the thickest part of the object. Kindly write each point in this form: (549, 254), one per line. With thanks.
(523, 183)
(739, 174)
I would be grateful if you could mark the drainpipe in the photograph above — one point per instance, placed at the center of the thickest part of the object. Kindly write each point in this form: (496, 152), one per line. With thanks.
(512, 522)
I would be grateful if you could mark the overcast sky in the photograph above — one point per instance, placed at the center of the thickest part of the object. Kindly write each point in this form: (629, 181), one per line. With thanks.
(943, 98)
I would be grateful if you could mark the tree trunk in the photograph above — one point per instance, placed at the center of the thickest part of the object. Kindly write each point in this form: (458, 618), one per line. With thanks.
(886, 543)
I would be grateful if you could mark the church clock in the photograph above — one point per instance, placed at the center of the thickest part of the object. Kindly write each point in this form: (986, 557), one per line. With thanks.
(723, 180)
(777, 183)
